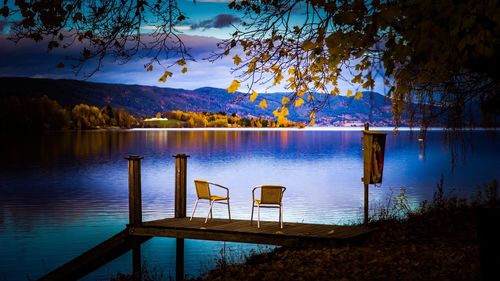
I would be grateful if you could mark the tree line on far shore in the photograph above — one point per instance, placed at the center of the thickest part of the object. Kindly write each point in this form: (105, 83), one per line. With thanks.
(43, 113)
(222, 120)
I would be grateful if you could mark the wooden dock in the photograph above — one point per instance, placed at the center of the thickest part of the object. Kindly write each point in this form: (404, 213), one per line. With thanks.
(292, 234)
(180, 228)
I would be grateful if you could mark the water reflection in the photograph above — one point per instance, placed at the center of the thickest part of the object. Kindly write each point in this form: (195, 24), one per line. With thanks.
(60, 187)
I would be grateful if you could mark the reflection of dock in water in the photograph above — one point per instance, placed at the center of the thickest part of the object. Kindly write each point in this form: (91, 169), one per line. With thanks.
(180, 227)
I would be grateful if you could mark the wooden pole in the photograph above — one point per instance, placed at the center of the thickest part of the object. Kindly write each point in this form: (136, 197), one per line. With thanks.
(135, 210)
(366, 205)
(365, 220)
(180, 210)
(136, 258)
(180, 185)
(179, 259)
(134, 190)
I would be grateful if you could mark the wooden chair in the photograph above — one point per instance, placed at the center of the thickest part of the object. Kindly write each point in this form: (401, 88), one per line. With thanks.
(270, 197)
(203, 191)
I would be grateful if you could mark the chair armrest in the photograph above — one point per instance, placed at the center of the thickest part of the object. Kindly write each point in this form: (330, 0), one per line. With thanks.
(253, 192)
(221, 186)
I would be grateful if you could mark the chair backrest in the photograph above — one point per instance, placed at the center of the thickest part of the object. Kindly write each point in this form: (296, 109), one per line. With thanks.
(271, 194)
(202, 189)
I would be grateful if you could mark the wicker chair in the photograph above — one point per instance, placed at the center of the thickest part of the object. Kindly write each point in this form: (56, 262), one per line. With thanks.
(270, 197)
(204, 192)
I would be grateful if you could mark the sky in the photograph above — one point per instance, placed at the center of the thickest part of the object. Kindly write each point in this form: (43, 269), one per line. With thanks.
(208, 21)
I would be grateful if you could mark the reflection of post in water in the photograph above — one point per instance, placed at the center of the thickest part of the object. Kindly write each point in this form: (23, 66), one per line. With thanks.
(135, 210)
(180, 210)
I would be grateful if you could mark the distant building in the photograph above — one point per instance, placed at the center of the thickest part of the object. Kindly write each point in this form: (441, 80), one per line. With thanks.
(155, 119)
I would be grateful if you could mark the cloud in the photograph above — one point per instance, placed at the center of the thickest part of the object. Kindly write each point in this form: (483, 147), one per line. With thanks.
(220, 21)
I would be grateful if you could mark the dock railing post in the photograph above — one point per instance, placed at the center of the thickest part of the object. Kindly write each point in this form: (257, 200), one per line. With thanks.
(180, 185)
(135, 210)
(180, 210)
(134, 190)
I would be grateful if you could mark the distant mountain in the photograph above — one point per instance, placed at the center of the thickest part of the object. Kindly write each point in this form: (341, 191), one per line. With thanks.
(146, 101)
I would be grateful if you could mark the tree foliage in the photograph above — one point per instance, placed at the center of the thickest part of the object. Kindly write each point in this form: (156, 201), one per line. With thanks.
(222, 120)
(433, 53)
(440, 55)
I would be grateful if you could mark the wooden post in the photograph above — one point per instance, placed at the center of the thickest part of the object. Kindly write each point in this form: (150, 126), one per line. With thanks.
(180, 185)
(134, 190)
(136, 259)
(180, 210)
(135, 210)
(179, 259)
(365, 153)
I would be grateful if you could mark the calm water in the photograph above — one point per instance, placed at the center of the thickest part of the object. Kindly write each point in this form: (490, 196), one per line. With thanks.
(63, 192)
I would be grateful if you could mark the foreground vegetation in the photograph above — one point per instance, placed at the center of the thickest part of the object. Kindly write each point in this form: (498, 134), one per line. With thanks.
(438, 241)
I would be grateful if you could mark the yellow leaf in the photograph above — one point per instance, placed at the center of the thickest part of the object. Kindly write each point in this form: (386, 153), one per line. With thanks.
(253, 96)
(236, 59)
(263, 104)
(252, 65)
(184, 70)
(312, 116)
(181, 62)
(299, 102)
(307, 45)
(285, 100)
(277, 78)
(164, 77)
(233, 87)
(150, 68)
(358, 95)
(300, 92)
(349, 93)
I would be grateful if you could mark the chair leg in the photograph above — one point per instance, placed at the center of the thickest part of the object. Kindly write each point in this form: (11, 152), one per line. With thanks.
(194, 209)
(251, 217)
(258, 216)
(281, 216)
(228, 210)
(210, 211)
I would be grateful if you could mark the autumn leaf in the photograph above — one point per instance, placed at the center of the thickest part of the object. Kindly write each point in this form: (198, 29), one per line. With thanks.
(285, 100)
(349, 93)
(358, 95)
(149, 68)
(299, 102)
(164, 77)
(236, 59)
(233, 87)
(263, 104)
(253, 96)
(277, 78)
(181, 62)
(307, 45)
(312, 116)
(184, 70)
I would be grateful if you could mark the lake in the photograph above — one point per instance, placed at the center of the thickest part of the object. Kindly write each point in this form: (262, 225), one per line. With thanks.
(62, 193)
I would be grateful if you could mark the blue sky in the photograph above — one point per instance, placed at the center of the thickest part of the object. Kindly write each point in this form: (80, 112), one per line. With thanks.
(207, 22)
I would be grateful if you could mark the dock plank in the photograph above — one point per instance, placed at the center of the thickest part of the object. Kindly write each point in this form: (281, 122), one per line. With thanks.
(293, 234)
